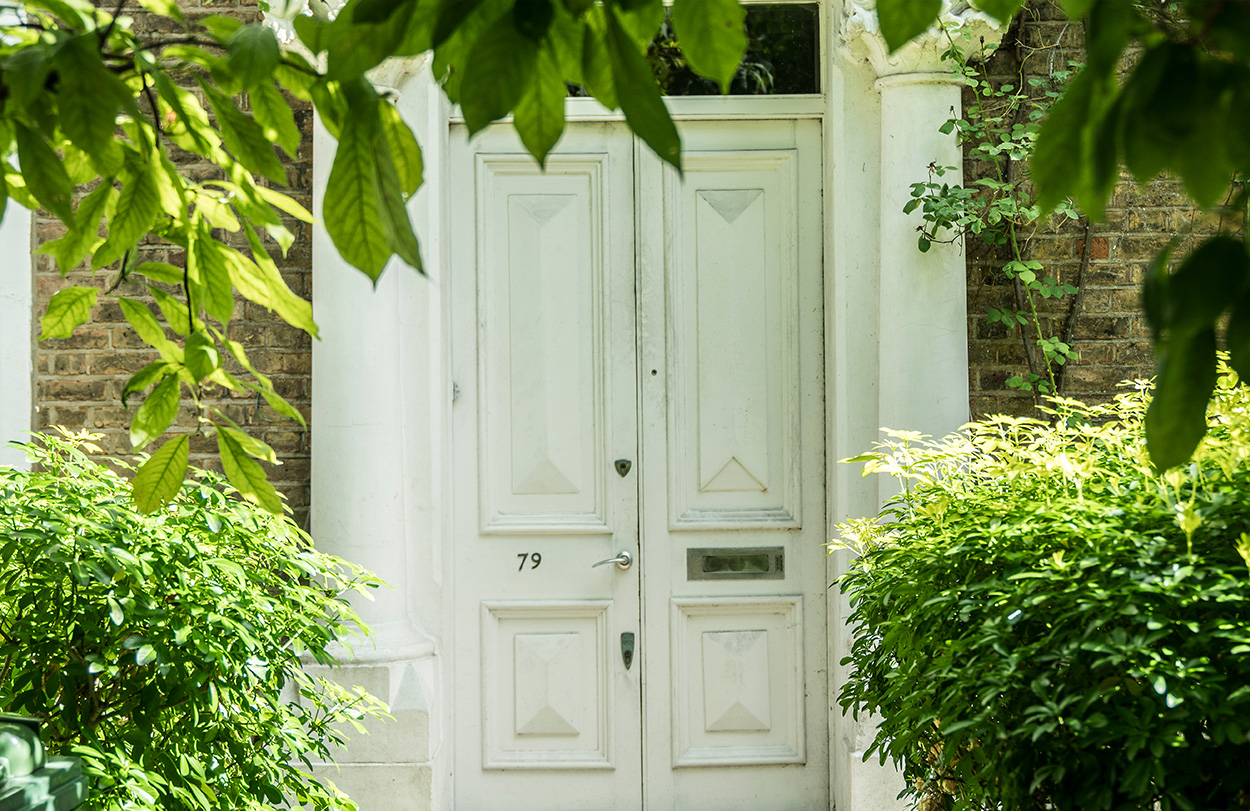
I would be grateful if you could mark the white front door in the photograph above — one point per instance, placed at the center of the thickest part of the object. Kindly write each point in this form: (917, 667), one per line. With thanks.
(638, 365)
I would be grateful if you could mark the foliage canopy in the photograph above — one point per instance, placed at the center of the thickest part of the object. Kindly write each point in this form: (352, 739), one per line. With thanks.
(164, 649)
(93, 109)
(1043, 621)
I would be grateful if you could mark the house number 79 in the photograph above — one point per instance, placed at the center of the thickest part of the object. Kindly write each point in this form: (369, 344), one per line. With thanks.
(533, 558)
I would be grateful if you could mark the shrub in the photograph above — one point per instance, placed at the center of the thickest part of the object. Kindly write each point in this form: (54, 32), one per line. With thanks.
(1043, 621)
(165, 649)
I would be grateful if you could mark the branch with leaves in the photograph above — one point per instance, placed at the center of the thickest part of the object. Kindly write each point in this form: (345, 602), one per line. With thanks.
(92, 109)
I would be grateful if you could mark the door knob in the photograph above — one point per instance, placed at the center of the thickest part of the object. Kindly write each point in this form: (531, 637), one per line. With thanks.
(623, 560)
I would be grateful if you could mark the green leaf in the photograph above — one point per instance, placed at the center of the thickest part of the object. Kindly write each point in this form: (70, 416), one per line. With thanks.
(243, 137)
(250, 445)
(208, 268)
(25, 74)
(145, 377)
(1211, 277)
(158, 479)
(44, 173)
(166, 8)
(1238, 338)
(596, 66)
(94, 94)
(175, 312)
(405, 152)
(1001, 10)
(136, 211)
(260, 281)
(363, 38)
(144, 655)
(67, 309)
(539, 117)
(253, 54)
(450, 16)
(246, 475)
(275, 117)
(901, 20)
(160, 272)
(149, 330)
(1063, 157)
(201, 354)
(712, 36)
(499, 70)
(156, 413)
(284, 203)
(639, 95)
(71, 249)
(1076, 9)
(351, 203)
(1176, 420)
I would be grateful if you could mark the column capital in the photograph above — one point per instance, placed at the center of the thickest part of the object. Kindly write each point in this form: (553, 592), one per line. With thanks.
(973, 30)
(386, 77)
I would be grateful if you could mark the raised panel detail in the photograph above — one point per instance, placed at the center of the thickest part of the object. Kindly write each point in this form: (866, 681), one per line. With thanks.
(545, 700)
(732, 275)
(548, 685)
(541, 333)
(736, 691)
(737, 681)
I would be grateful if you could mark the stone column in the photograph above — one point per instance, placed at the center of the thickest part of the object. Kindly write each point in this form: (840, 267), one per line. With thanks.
(923, 347)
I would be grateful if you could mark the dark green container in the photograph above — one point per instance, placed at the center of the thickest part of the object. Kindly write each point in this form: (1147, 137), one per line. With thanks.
(29, 781)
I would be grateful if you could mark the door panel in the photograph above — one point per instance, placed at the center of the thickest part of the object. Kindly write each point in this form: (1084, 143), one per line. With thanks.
(546, 716)
(732, 471)
(639, 363)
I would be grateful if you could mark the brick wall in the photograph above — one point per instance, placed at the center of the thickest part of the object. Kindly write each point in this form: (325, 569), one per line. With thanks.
(1108, 327)
(79, 380)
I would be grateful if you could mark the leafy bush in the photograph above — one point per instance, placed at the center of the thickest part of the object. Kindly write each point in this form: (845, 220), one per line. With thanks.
(1043, 621)
(165, 649)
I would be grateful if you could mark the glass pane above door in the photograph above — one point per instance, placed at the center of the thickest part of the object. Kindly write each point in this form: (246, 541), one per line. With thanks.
(782, 58)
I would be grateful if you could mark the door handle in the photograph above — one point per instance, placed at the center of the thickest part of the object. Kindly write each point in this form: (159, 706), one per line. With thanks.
(623, 560)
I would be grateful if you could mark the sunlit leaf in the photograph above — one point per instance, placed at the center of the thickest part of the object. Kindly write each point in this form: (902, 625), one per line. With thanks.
(67, 309)
(156, 413)
(158, 479)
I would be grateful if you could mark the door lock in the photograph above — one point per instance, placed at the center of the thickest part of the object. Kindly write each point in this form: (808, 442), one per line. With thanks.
(622, 560)
(622, 467)
(627, 648)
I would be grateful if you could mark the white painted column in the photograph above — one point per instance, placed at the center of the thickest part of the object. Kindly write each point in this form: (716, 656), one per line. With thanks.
(923, 342)
(16, 331)
(380, 393)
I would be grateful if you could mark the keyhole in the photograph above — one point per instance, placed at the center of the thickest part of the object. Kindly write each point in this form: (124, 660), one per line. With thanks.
(623, 466)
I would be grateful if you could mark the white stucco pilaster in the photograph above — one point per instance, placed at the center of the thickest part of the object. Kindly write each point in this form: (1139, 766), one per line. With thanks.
(380, 393)
(16, 332)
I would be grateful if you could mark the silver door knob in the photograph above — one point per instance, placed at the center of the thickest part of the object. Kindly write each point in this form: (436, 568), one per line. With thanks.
(623, 560)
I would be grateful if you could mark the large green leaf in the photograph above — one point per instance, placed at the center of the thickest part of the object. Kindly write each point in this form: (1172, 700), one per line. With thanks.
(639, 95)
(244, 137)
(94, 94)
(405, 151)
(539, 117)
(364, 35)
(149, 329)
(175, 312)
(275, 117)
(159, 478)
(596, 65)
(67, 309)
(44, 173)
(392, 214)
(251, 445)
(260, 281)
(247, 475)
(201, 354)
(1177, 418)
(351, 202)
(140, 380)
(1061, 163)
(136, 211)
(156, 413)
(253, 54)
(1237, 337)
(1001, 10)
(901, 20)
(25, 74)
(167, 8)
(71, 249)
(1209, 279)
(499, 70)
(208, 268)
(712, 35)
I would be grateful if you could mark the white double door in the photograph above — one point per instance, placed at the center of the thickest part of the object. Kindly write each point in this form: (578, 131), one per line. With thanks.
(638, 359)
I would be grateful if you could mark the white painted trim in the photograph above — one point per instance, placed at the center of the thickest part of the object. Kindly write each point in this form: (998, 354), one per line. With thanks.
(16, 333)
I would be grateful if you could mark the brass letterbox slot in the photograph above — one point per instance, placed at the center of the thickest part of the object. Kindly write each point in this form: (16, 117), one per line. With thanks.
(736, 563)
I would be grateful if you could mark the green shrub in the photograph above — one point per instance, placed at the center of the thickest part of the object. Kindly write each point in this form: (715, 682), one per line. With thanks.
(165, 649)
(1042, 621)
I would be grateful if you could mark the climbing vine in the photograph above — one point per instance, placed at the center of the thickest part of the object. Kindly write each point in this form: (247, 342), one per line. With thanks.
(998, 129)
